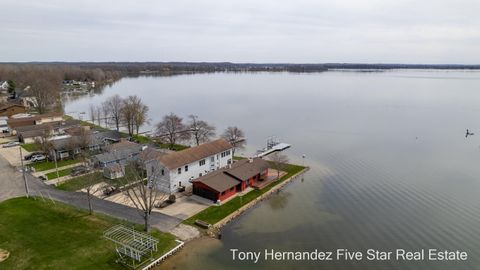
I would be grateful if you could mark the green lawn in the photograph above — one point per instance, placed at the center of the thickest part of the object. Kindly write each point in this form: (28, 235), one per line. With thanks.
(176, 147)
(31, 147)
(214, 214)
(48, 165)
(43, 235)
(81, 182)
(61, 173)
(238, 158)
(142, 139)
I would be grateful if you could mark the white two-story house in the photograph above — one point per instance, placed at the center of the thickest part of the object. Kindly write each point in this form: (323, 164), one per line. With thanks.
(171, 171)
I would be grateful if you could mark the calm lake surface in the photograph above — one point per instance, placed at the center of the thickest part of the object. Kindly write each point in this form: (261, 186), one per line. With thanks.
(390, 165)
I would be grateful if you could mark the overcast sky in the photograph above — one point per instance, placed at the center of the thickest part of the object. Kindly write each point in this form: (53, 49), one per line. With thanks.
(300, 31)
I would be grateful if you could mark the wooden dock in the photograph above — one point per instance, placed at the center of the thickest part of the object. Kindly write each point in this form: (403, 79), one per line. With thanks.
(274, 148)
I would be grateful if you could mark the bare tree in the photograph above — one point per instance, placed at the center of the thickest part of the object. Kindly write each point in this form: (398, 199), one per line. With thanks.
(279, 162)
(235, 137)
(115, 104)
(201, 130)
(90, 181)
(44, 142)
(172, 128)
(141, 115)
(92, 113)
(142, 191)
(134, 113)
(106, 113)
(45, 89)
(98, 112)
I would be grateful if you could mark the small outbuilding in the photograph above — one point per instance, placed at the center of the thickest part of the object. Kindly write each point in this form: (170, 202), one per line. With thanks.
(224, 183)
(114, 171)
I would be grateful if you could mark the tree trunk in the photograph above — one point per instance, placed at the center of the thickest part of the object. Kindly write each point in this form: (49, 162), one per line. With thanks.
(197, 139)
(89, 198)
(146, 218)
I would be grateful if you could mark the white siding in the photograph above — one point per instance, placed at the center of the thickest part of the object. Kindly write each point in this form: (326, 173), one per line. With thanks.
(172, 179)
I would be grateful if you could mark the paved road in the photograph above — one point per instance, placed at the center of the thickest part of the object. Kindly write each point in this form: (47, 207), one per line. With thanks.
(11, 182)
(12, 185)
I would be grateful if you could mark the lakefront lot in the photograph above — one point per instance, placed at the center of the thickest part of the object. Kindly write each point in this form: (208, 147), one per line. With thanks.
(46, 235)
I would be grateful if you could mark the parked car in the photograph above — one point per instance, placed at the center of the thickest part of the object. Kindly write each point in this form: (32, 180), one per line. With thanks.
(10, 144)
(109, 190)
(37, 158)
(79, 170)
(31, 155)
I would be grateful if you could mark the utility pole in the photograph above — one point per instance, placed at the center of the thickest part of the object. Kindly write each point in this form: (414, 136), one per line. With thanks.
(23, 172)
(55, 158)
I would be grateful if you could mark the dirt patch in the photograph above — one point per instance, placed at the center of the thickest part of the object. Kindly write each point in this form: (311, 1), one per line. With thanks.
(3, 255)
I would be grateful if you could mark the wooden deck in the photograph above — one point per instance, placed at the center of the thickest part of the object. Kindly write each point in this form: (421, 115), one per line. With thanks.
(272, 177)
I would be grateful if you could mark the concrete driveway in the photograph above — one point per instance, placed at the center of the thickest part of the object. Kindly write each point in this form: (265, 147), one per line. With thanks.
(12, 155)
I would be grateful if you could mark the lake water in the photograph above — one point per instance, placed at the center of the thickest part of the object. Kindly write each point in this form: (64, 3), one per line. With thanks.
(390, 165)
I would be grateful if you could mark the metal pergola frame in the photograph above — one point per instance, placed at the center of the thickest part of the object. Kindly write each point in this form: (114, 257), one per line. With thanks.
(131, 244)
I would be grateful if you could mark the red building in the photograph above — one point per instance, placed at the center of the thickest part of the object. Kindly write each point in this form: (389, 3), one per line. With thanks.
(226, 182)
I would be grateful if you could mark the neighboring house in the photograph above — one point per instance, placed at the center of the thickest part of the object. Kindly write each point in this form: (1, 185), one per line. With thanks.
(114, 171)
(224, 183)
(3, 125)
(23, 97)
(177, 169)
(28, 134)
(118, 153)
(10, 109)
(68, 146)
(39, 119)
(4, 85)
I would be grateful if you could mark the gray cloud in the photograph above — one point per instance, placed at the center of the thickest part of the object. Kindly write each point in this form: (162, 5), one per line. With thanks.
(429, 31)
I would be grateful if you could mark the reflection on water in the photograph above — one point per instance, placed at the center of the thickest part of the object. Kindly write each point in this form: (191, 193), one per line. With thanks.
(390, 164)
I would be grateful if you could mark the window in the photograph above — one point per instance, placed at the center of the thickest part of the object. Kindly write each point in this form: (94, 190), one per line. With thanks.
(163, 172)
(202, 162)
(200, 175)
(179, 170)
(186, 168)
(212, 159)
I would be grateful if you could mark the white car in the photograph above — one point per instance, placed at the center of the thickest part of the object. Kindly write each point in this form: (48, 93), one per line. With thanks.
(10, 144)
(37, 158)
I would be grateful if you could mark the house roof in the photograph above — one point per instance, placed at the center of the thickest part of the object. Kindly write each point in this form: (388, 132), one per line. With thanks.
(9, 105)
(247, 168)
(123, 145)
(225, 178)
(218, 181)
(27, 121)
(98, 138)
(114, 167)
(117, 155)
(70, 123)
(177, 159)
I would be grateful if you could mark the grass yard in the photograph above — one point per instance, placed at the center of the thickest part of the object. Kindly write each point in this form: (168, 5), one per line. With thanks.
(48, 165)
(81, 182)
(61, 173)
(214, 214)
(43, 235)
(31, 147)
(176, 147)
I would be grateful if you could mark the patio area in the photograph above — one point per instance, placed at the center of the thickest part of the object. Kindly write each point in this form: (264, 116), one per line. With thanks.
(272, 177)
